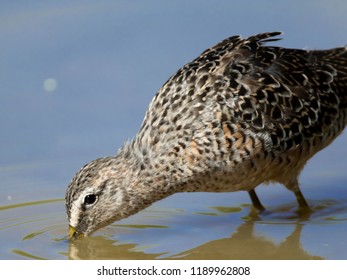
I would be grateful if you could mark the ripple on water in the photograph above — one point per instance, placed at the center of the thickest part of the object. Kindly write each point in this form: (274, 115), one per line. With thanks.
(321, 212)
(28, 229)
(38, 230)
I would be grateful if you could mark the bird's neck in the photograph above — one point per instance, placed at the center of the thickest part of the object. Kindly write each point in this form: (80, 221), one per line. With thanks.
(148, 177)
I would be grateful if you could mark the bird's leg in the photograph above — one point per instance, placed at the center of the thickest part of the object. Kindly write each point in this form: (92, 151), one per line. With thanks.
(294, 187)
(255, 201)
(301, 199)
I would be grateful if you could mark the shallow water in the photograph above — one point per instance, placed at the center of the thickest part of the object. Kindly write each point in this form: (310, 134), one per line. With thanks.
(188, 226)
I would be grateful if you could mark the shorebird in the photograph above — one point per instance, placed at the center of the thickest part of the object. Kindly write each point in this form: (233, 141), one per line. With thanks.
(241, 114)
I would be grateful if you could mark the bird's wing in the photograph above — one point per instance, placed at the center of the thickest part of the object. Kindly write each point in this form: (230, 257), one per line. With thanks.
(288, 94)
(291, 94)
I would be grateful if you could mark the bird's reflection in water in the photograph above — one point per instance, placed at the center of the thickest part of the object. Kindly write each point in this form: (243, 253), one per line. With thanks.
(244, 243)
(99, 247)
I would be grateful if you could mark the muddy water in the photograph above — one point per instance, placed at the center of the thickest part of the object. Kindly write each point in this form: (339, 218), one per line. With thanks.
(184, 226)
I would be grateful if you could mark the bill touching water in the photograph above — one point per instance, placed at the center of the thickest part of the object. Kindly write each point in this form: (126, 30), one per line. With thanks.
(225, 228)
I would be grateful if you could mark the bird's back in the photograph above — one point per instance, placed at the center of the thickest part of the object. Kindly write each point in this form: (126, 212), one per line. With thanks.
(242, 107)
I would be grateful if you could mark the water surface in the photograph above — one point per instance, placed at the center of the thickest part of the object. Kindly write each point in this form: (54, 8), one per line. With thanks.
(188, 226)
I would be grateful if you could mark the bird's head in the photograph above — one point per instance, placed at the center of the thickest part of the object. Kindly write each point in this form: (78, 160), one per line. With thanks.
(97, 196)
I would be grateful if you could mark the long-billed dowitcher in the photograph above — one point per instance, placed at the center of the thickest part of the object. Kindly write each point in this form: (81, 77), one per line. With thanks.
(240, 114)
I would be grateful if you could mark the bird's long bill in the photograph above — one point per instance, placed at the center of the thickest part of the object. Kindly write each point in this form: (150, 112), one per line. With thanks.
(73, 233)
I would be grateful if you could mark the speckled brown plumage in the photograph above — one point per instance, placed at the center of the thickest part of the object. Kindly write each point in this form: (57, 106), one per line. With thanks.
(240, 114)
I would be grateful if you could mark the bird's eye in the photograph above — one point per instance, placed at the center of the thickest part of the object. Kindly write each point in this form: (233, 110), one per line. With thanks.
(89, 199)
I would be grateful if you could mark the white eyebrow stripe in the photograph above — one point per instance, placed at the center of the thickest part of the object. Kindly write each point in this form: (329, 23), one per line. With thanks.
(74, 214)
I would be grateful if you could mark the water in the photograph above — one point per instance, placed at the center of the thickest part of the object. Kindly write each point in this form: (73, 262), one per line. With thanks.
(76, 79)
(188, 226)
